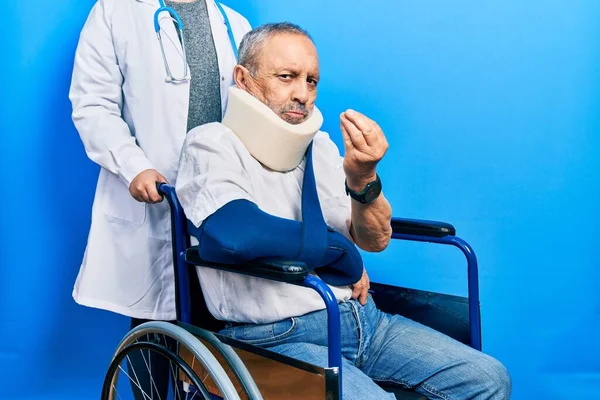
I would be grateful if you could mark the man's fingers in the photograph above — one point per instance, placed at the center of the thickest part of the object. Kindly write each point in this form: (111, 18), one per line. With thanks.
(144, 195)
(138, 197)
(354, 133)
(143, 187)
(361, 121)
(356, 291)
(136, 193)
(370, 130)
(347, 141)
(360, 290)
(161, 179)
(373, 135)
(153, 195)
(364, 294)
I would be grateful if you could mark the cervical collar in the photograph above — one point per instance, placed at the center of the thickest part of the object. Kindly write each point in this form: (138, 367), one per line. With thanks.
(274, 142)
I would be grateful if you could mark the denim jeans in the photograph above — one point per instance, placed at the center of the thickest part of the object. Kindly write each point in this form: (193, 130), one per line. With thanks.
(385, 348)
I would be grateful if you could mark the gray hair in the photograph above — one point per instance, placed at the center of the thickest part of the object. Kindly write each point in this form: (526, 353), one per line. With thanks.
(253, 41)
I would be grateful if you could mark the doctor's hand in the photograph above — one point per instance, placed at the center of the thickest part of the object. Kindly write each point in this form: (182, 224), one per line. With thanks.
(360, 290)
(143, 186)
(365, 146)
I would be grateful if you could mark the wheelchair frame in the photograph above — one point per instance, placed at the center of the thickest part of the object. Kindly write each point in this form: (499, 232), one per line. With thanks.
(296, 273)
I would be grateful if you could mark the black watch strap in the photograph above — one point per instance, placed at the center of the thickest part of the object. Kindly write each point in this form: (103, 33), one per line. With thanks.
(369, 194)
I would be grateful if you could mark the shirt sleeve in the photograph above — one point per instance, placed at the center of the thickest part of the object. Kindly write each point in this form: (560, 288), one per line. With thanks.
(97, 99)
(211, 172)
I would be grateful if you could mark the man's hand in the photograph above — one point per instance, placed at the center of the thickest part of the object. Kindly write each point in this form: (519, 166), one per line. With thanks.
(143, 186)
(365, 146)
(360, 290)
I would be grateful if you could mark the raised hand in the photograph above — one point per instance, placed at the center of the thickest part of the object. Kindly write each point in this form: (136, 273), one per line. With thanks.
(365, 146)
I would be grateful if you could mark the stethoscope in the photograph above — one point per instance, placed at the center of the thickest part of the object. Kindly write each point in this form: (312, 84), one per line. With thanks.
(179, 23)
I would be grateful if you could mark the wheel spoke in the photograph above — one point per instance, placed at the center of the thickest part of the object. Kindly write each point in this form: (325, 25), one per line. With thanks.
(175, 382)
(190, 370)
(149, 368)
(117, 392)
(136, 383)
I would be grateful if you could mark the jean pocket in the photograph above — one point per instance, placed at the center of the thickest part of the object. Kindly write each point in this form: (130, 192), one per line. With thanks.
(266, 334)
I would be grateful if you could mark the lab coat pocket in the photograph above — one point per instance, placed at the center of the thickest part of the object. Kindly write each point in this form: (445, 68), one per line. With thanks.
(118, 203)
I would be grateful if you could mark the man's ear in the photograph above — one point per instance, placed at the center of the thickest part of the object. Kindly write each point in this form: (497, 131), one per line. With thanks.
(240, 76)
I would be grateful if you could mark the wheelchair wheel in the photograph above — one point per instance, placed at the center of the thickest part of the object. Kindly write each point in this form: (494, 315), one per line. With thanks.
(235, 364)
(180, 356)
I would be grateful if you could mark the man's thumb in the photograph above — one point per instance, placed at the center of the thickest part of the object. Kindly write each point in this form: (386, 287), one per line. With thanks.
(161, 179)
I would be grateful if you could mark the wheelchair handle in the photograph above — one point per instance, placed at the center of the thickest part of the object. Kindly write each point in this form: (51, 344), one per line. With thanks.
(163, 189)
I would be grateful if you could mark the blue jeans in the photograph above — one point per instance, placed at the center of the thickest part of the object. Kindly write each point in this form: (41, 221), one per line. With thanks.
(385, 348)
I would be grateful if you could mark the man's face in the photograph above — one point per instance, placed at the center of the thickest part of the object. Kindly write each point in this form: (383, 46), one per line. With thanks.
(286, 76)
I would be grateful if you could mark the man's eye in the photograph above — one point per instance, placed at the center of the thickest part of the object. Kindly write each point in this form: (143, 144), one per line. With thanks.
(286, 77)
(312, 82)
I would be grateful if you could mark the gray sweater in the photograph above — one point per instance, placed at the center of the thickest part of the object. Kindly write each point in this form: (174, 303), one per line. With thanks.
(205, 88)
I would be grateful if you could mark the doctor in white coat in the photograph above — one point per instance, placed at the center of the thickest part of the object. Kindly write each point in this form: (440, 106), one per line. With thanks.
(133, 122)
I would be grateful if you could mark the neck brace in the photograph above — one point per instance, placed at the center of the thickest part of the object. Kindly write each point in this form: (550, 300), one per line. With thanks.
(272, 141)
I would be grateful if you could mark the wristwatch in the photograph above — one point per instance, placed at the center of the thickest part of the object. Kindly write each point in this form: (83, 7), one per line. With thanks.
(369, 194)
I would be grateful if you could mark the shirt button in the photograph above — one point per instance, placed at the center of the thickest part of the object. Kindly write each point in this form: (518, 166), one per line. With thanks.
(222, 78)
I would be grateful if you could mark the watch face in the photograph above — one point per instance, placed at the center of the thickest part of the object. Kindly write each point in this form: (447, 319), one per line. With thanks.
(368, 195)
(372, 193)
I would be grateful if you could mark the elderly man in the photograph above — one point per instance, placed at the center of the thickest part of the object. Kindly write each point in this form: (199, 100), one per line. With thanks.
(246, 184)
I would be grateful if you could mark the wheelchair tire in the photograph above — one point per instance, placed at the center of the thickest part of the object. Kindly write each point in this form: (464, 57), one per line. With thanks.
(235, 363)
(135, 341)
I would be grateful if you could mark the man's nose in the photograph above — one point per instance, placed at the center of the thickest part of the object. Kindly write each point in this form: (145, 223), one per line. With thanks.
(301, 92)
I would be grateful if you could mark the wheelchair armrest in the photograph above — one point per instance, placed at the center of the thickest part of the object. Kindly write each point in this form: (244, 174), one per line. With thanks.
(419, 227)
(273, 269)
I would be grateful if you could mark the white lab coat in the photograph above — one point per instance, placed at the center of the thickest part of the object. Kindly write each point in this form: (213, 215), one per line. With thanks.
(130, 120)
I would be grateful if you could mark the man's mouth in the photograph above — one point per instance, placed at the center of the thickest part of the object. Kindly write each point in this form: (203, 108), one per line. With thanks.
(297, 114)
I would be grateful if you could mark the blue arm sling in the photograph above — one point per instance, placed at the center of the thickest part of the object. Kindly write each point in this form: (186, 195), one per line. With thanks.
(240, 232)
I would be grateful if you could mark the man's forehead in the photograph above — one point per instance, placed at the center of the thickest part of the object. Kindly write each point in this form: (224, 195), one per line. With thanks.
(290, 51)
(310, 68)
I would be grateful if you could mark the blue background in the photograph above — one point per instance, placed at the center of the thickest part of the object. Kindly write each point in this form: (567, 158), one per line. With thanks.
(492, 110)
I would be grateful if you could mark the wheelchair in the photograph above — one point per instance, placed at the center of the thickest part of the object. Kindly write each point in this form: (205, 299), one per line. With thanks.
(206, 365)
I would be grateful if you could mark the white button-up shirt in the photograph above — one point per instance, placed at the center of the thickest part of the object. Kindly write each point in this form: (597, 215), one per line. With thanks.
(215, 169)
